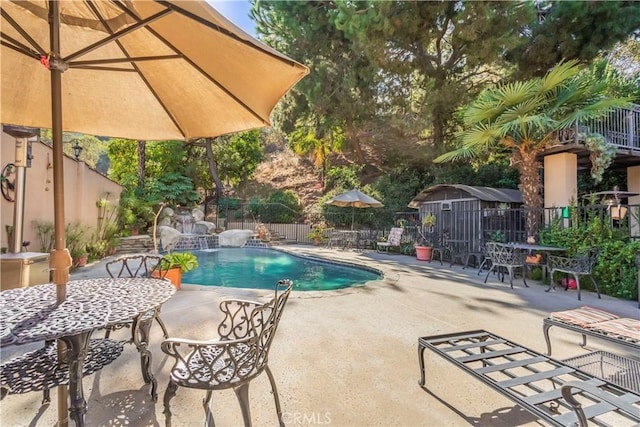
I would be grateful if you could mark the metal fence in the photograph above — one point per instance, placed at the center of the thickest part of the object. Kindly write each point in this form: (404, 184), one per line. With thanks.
(477, 226)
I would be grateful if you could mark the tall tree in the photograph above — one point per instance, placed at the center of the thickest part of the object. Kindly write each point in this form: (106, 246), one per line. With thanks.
(340, 89)
(524, 117)
(574, 30)
(433, 55)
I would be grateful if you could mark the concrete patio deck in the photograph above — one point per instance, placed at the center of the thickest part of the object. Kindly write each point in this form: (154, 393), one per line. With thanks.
(342, 358)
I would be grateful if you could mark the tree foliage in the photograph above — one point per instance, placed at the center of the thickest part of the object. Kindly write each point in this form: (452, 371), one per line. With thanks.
(338, 93)
(574, 30)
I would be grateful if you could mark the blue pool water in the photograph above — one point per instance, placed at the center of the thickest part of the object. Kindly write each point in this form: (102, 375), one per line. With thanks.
(262, 268)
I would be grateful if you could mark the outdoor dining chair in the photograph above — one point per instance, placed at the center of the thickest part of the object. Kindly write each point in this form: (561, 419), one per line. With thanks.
(581, 265)
(503, 257)
(231, 361)
(137, 266)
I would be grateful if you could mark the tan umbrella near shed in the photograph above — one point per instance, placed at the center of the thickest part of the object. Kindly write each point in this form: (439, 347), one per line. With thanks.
(354, 198)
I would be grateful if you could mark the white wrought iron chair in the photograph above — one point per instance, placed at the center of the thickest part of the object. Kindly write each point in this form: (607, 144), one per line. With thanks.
(504, 257)
(239, 355)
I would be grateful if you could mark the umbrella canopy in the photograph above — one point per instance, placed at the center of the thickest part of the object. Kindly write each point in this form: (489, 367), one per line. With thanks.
(147, 70)
(137, 69)
(356, 199)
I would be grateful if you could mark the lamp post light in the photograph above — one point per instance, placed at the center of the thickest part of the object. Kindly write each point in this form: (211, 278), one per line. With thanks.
(77, 149)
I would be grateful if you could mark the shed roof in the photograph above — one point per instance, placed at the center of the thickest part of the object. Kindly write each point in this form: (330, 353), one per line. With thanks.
(488, 194)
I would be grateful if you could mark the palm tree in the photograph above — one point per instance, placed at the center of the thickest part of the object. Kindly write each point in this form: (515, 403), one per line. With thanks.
(525, 118)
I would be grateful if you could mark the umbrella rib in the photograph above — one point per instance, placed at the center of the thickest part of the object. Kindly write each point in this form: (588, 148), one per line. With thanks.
(195, 66)
(77, 64)
(136, 69)
(23, 33)
(18, 47)
(178, 52)
(117, 35)
(228, 33)
(209, 77)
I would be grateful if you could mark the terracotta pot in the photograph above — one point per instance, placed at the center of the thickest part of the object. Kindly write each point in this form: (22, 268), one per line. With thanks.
(423, 253)
(173, 274)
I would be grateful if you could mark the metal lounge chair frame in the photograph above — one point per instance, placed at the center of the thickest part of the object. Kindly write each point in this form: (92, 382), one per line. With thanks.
(238, 356)
(552, 390)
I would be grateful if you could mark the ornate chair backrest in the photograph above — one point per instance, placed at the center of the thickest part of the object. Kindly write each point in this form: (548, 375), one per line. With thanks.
(587, 261)
(501, 254)
(255, 323)
(133, 266)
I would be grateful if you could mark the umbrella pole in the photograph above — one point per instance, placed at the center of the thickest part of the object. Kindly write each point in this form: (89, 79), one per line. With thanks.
(60, 258)
(353, 216)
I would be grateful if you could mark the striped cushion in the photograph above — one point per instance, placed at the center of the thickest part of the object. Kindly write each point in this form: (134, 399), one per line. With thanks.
(628, 329)
(583, 316)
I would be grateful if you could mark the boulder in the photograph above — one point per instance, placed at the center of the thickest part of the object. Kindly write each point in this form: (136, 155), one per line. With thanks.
(197, 214)
(204, 227)
(235, 238)
(169, 237)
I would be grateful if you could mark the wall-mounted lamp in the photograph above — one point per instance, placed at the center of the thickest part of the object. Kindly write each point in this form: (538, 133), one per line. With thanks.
(77, 149)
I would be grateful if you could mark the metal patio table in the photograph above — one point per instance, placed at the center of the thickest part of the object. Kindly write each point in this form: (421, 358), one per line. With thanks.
(29, 315)
(545, 250)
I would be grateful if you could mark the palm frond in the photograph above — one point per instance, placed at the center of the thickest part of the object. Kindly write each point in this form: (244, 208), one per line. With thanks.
(559, 75)
(481, 135)
(461, 153)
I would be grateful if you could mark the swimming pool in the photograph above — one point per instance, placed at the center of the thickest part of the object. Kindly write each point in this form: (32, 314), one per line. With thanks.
(262, 268)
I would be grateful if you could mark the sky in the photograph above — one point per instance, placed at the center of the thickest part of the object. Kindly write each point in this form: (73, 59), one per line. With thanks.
(237, 11)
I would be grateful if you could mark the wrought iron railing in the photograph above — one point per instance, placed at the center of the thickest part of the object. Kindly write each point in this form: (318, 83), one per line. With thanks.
(620, 127)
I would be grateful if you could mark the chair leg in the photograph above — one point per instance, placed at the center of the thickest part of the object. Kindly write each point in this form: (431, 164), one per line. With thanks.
(510, 276)
(165, 333)
(168, 395)
(578, 285)
(242, 393)
(524, 276)
(488, 273)
(275, 395)
(208, 422)
(595, 285)
(482, 264)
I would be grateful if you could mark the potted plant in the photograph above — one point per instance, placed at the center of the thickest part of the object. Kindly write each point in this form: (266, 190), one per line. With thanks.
(174, 264)
(317, 233)
(423, 245)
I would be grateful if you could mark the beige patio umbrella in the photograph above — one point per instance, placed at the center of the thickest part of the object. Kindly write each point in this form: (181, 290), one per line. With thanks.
(149, 70)
(355, 199)
(139, 69)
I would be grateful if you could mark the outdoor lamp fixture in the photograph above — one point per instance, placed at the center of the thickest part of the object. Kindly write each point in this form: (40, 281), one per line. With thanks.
(77, 149)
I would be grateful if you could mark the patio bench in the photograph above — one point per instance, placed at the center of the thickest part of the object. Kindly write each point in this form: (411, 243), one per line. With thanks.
(595, 323)
(555, 391)
(39, 370)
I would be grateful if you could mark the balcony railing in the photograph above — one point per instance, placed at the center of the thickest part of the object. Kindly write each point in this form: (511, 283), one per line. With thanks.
(620, 127)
